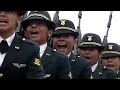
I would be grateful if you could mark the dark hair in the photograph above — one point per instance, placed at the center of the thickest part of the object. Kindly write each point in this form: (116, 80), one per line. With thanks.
(20, 13)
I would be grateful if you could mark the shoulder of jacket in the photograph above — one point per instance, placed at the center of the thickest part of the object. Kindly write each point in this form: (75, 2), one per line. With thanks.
(82, 59)
(108, 70)
(29, 41)
(79, 57)
(59, 54)
(105, 68)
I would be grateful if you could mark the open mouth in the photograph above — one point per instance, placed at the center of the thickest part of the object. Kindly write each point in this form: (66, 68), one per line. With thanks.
(86, 57)
(3, 21)
(62, 45)
(34, 32)
(110, 65)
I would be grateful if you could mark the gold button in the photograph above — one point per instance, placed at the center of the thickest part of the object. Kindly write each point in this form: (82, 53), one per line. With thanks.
(1, 75)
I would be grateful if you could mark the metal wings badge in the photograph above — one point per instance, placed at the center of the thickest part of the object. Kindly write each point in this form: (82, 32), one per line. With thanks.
(19, 65)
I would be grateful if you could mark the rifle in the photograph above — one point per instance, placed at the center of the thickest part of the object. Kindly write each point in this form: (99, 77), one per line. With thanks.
(108, 26)
(55, 19)
(20, 29)
(79, 31)
(56, 16)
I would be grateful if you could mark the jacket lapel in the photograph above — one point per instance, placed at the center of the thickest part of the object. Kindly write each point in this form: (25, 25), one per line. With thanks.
(46, 55)
(12, 52)
(98, 72)
(72, 58)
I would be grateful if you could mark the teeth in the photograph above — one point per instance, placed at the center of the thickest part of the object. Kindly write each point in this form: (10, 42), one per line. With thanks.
(3, 20)
(34, 32)
(61, 43)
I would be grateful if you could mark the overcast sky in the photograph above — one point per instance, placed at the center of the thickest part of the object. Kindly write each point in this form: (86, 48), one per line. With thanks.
(95, 22)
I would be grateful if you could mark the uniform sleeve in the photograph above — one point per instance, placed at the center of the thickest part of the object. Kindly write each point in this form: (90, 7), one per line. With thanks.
(35, 68)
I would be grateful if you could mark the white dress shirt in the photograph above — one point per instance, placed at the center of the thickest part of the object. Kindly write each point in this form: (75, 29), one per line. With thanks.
(69, 54)
(9, 41)
(117, 71)
(93, 67)
(42, 49)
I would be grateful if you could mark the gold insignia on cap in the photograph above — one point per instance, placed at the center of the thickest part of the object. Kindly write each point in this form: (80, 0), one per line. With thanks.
(110, 47)
(89, 38)
(37, 61)
(63, 22)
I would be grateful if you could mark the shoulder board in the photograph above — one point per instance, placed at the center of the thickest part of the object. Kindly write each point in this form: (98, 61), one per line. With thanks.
(105, 68)
(60, 53)
(29, 41)
(57, 51)
(26, 40)
(80, 57)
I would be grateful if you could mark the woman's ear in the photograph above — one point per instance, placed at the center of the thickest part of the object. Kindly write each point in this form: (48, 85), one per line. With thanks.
(75, 41)
(50, 32)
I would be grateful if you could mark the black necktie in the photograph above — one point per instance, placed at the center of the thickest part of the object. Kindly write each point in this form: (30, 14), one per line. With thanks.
(4, 46)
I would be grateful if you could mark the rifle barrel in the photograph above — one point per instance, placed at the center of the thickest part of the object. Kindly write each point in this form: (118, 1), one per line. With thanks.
(108, 26)
(79, 31)
(110, 19)
(56, 16)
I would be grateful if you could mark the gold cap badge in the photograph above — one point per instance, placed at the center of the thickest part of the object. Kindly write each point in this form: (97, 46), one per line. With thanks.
(63, 22)
(89, 38)
(110, 47)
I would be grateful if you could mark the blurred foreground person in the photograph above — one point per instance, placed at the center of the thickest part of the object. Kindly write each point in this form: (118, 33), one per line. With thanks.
(19, 58)
(38, 27)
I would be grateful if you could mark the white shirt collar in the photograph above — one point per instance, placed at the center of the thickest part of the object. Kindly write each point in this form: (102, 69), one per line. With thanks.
(42, 49)
(9, 39)
(69, 54)
(93, 67)
(117, 71)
